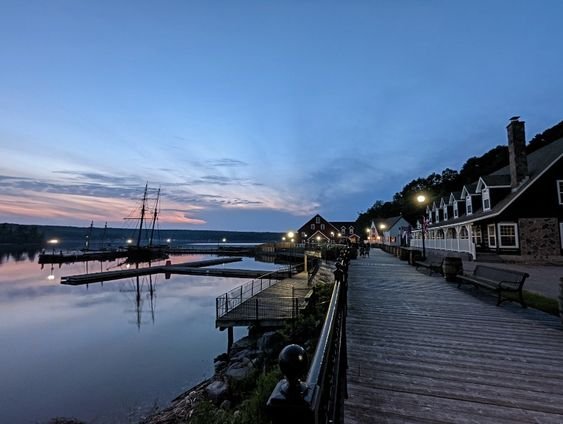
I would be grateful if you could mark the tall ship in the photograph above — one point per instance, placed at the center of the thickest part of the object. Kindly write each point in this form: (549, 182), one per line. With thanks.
(143, 247)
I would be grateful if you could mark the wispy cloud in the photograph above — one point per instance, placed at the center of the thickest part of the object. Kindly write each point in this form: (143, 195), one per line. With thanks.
(226, 162)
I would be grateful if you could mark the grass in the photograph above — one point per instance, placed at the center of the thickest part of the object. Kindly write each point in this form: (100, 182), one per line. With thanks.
(536, 301)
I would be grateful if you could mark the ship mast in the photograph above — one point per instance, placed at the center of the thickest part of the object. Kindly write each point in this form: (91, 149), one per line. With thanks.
(142, 215)
(155, 213)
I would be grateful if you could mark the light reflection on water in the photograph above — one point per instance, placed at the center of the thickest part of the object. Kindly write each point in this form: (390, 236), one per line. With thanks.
(104, 353)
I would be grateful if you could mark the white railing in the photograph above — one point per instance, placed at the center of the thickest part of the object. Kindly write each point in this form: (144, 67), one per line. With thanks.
(453, 245)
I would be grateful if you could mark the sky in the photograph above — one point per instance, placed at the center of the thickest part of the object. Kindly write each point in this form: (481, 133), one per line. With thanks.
(255, 115)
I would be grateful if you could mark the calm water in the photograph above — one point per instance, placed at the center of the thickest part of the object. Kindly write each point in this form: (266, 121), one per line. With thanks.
(100, 353)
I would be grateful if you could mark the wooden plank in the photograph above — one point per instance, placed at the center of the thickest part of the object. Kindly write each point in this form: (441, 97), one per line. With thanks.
(422, 350)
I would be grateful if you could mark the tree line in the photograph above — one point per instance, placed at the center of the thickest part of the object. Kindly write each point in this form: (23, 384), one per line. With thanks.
(437, 185)
(20, 234)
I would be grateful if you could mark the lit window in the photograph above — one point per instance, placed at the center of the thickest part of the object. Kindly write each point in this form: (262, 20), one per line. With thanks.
(507, 235)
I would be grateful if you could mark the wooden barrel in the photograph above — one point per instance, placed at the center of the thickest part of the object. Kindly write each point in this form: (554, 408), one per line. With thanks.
(451, 267)
(561, 299)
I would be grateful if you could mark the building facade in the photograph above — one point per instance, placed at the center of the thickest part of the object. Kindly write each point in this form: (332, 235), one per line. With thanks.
(514, 213)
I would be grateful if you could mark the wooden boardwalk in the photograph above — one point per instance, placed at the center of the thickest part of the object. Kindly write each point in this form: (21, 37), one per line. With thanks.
(420, 350)
(271, 307)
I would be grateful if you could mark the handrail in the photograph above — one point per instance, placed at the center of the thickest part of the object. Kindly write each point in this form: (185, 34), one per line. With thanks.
(320, 398)
(234, 297)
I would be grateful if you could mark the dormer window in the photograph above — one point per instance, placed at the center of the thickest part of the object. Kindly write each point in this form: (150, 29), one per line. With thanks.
(456, 211)
(351, 229)
(486, 199)
(317, 220)
(445, 213)
(560, 191)
(437, 213)
(468, 205)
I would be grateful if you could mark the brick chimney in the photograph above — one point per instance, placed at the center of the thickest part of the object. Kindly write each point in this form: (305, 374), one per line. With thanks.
(517, 151)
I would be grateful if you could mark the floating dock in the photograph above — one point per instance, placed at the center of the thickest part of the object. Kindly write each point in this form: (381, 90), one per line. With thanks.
(187, 268)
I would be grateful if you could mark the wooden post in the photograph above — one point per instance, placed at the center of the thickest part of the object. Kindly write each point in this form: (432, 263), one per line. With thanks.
(230, 337)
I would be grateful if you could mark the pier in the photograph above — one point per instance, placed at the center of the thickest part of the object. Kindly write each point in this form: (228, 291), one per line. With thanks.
(187, 268)
(266, 301)
(422, 350)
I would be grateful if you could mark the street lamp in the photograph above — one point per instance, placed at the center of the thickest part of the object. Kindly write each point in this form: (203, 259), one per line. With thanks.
(368, 231)
(421, 199)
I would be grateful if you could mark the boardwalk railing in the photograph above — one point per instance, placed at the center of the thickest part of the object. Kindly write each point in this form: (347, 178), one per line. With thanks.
(237, 296)
(320, 398)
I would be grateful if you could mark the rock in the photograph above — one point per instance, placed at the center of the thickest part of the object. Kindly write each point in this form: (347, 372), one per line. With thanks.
(270, 342)
(223, 357)
(217, 391)
(220, 366)
(241, 344)
(240, 370)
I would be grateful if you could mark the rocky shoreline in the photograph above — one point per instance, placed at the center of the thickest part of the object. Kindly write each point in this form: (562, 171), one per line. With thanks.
(248, 357)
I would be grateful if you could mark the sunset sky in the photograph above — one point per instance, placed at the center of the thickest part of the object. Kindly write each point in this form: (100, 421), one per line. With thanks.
(255, 115)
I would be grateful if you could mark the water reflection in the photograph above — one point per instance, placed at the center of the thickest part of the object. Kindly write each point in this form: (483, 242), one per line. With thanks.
(100, 351)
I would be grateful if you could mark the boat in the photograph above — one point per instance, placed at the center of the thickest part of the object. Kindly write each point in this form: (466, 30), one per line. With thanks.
(144, 249)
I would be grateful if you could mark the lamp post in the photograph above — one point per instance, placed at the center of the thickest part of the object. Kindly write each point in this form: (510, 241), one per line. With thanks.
(421, 199)
(368, 231)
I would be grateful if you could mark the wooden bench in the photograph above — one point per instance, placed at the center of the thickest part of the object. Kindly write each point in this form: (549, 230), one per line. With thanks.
(432, 263)
(496, 279)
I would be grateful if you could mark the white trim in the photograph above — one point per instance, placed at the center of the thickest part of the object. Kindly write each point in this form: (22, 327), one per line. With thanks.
(494, 235)
(486, 195)
(516, 241)
(480, 185)
(559, 184)
(520, 192)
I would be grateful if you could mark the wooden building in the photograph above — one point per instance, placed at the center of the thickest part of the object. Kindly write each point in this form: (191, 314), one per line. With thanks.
(514, 213)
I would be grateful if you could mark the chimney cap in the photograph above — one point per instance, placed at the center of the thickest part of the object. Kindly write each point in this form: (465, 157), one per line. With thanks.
(515, 118)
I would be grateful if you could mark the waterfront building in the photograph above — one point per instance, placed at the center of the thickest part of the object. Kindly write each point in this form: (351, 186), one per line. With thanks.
(393, 231)
(320, 231)
(514, 213)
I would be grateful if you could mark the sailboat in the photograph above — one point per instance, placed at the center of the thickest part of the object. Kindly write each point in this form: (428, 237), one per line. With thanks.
(140, 252)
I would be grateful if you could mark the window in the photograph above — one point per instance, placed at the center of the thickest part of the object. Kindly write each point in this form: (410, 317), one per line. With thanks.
(468, 205)
(486, 200)
(560, 191)
(446, 213)
(317, 220)
(312, 226)
(322, 226)
(351, 229)
(437, 213)
(561, 233)
(507, 235)
(476, 232)
(456, 212)
(491, 235)
(463, 234)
